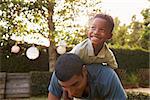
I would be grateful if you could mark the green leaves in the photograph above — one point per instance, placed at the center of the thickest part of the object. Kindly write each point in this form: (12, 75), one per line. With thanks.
(70, 19)
(23, 17)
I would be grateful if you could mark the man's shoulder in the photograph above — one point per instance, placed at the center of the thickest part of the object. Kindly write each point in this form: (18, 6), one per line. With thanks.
(54, 78)
(94, 67)
(99, 70)
(99, 78)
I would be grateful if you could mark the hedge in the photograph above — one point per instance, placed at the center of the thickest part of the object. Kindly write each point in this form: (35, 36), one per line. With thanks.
(132, 59)
(135, 79)
(20, 63)
(127, 59)
(39, 82)
(138, 96)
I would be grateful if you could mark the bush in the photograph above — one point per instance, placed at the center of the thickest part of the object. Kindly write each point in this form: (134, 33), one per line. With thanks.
(131, 59)
(134, 79)
(39, 82)
(127, 59)
(138, 96)
(144, 77)
(20, 63)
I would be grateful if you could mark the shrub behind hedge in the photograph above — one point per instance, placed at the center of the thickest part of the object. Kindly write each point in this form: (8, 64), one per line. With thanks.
(39, 82)
(138, 96)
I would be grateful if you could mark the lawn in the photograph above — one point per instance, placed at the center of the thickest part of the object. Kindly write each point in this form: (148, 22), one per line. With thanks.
(32, 98)
(38, 98)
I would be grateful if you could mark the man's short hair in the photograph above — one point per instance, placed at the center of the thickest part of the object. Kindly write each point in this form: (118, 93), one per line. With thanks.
(68, 65)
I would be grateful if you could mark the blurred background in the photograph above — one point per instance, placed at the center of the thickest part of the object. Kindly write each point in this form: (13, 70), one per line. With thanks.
(33, 33)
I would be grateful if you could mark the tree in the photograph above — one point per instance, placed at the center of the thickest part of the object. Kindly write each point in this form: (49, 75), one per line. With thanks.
(135, 32)
(134, 35)
(120, 34)
(52, 51)
(71, 19)
(33, 17)
(140, 31)
(67, 22)
(24, 17)
(145, 39)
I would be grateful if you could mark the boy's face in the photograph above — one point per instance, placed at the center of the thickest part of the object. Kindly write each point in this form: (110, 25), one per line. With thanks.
(99, 32)
(75, 86)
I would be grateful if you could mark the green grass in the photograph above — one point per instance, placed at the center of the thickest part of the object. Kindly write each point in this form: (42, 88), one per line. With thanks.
(33, 98)
(39, 98)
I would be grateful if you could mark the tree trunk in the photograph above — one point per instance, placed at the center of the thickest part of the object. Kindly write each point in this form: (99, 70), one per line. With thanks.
(52, 50)
(52, 58)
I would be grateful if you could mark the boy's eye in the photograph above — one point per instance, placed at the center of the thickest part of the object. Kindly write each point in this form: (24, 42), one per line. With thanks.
(101, 29)
(93, 28)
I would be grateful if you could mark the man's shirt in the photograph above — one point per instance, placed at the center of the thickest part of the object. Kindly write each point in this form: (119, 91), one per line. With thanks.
(86, 52)
(103, 82)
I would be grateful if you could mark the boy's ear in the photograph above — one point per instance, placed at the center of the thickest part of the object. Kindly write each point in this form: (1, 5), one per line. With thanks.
(110, 35)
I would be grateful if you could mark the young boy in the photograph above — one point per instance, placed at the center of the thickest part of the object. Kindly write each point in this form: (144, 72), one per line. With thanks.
(94, 49)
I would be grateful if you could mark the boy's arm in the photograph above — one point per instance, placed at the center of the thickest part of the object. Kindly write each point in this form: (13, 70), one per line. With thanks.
(75, 50)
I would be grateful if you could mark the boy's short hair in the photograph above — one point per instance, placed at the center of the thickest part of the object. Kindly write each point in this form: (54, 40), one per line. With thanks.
(67, 66)
(108, 18)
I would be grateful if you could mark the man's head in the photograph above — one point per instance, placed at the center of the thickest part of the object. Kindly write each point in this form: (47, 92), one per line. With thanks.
(101, 28)
(72, 74)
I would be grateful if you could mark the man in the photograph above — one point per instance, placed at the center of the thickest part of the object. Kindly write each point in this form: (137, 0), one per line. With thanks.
(88, 82)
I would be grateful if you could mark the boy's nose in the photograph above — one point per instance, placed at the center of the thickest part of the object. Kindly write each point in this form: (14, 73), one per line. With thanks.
(95, 32)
